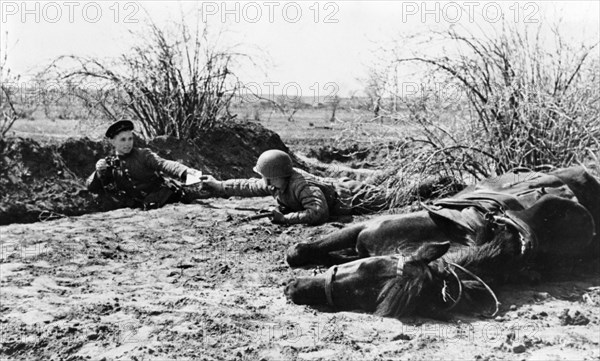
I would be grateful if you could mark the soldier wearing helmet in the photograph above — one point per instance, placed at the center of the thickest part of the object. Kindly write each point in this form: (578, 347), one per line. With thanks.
(301, 196)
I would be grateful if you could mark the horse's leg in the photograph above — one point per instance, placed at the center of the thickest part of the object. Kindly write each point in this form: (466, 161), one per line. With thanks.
(400, 234)
(318, 252)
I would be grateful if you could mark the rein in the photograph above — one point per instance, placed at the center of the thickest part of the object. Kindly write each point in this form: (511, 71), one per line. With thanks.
(474, 276)
(445, 294)
(459, 290)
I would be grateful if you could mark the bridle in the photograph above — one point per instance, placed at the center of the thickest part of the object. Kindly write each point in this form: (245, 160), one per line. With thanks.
(329, 278)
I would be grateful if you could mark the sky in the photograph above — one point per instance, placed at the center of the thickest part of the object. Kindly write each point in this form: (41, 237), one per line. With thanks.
(308, 47)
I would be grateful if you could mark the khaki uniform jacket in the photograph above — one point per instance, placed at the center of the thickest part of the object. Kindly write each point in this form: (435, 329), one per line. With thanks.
(142, 167)
(311, 199)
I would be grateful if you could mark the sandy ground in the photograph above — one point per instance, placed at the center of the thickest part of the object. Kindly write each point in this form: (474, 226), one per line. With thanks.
(190, 282)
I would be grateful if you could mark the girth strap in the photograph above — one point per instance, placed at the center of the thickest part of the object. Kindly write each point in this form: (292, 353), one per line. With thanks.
(527, 237)
(400, 265)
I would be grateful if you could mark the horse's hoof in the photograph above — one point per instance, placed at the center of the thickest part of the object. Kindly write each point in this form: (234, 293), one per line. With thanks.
(296, 255)
(290, 289)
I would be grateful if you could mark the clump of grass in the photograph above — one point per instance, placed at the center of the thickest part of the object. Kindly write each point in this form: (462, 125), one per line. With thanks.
(419, 174)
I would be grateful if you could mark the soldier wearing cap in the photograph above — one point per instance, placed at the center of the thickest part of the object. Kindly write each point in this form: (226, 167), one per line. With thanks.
(301, 196)
(133, 177)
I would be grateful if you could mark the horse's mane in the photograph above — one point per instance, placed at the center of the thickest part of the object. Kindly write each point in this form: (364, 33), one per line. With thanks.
(422, 290)
(398, 294)
(489, 255)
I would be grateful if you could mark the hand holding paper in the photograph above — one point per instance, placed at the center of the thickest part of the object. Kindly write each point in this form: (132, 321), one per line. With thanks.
(193, 177)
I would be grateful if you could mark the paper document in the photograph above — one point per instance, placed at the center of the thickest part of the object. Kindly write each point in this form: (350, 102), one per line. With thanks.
(193, 178)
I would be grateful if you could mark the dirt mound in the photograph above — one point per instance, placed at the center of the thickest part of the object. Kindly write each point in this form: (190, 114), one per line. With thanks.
(229, 150)
(236, 143)
(40, 181)
(35, 183)
(80, 154)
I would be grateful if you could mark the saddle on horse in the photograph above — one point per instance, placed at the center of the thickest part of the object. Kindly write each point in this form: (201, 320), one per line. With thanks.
(540, 207)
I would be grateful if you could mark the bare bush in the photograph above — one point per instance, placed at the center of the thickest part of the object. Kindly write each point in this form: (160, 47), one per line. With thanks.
(9, 113)
(174, 82)
(529, 103)
(8, 87)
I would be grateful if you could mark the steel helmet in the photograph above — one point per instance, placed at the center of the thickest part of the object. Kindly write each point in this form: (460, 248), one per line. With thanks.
(274, 164)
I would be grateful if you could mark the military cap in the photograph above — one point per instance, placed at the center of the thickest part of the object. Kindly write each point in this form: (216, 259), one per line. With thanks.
(118, 127)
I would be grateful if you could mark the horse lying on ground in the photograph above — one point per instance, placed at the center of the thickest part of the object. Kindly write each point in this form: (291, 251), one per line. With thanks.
(447, 256)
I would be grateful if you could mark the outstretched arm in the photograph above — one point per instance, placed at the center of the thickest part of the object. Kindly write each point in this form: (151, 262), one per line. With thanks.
(252, 187)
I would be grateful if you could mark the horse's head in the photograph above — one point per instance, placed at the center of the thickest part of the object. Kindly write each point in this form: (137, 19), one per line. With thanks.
(387, 285)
